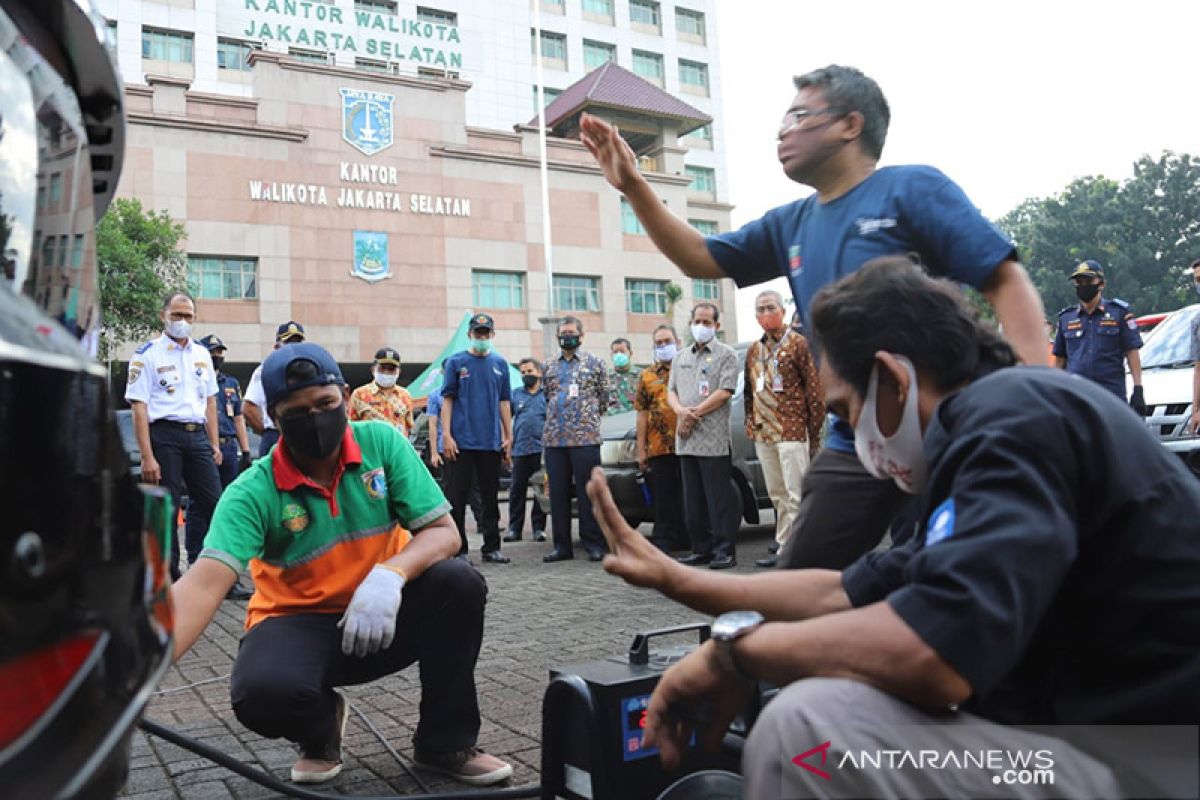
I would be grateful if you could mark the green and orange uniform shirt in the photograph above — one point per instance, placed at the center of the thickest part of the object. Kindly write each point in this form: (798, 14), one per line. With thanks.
(309, 547)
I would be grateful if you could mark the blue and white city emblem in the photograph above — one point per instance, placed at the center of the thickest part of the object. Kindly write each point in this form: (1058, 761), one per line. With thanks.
(371, 256)
(367, 119)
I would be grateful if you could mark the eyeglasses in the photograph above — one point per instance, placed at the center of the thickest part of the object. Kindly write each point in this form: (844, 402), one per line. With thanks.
(792, 119)
(767, 309)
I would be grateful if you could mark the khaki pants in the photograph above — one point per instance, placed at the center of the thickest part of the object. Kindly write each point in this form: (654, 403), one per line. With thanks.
(783, 466)
(854, 739)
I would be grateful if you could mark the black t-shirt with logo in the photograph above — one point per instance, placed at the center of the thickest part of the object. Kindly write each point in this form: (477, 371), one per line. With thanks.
(1057, 567)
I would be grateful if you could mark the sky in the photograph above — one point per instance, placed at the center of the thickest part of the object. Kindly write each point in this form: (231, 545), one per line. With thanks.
(1010, 100)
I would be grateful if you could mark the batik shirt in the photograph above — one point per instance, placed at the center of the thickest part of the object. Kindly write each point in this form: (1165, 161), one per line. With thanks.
(651, 397)
(573, 414)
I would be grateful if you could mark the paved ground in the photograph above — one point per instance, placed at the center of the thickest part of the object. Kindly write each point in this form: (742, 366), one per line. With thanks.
(538, 616)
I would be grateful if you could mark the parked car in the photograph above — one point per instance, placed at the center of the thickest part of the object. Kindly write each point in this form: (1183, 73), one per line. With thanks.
(129, 442)
(1148, 322)
(618, 457)
(85, 622)
(1167, 382)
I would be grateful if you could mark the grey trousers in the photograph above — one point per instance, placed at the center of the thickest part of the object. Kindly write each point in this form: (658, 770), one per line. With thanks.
(839, 738)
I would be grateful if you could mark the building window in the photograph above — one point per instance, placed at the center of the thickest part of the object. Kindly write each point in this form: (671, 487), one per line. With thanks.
(703, 180)
(629, 220)
(497, 289)
(689, 25)
(548, 93)
(598, 10)
(648, 66)
(376, 6)
(308, 56)
(56, 187)
(705, 226)
(554, 48)
(41, 197)
(371, 65)
(576, 293)
(48, 251)
(110, 39)
(646, 297)
(706, 288)
(425, 72)
(64, 244)
(701, 138)
(693, 77)
(437, 16)
(554, 6)
(77, 251)
(223, 278)
(645, 14)
(166, 46)
(232, 54)
(596, 54)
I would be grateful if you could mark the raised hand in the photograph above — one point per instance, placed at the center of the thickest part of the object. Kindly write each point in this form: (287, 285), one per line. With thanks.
(613, 154)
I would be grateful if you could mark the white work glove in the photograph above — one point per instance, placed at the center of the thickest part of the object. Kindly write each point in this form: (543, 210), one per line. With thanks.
(370, 620)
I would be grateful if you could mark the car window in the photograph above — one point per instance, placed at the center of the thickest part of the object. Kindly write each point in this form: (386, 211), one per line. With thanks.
(1171, 345)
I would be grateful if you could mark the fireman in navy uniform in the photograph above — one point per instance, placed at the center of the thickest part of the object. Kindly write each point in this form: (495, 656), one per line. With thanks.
(235, 443)
(1095, 336)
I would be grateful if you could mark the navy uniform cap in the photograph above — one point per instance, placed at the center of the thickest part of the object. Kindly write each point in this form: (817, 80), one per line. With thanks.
(481, 322)
(274, 370)
(289, 330)
(1088, 269)
(387, 355)
(212, 342)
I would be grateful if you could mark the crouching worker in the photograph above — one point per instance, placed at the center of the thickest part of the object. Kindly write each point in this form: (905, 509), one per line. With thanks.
(343, 593)
(1054, 580)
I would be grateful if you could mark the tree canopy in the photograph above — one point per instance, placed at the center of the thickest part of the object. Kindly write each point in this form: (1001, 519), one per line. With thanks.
(1143, 231)
(140, 261)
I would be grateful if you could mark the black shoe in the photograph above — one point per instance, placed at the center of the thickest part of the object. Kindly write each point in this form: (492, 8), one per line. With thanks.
(557, 555)
(767, 562)
(495, 557)
(773, 548)
(596, 555)
(539, 536)
(695, 559)
(512, 537)
(724, 562)
(237, 592)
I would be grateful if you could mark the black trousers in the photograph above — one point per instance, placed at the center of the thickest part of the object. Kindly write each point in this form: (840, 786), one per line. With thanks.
(844, 513)
(564, 466)
(522, 471)
(286, 668)
(228, 470)
(186, 460)
(712, 504)
(269, 437)
(666, 484)
(480, 467)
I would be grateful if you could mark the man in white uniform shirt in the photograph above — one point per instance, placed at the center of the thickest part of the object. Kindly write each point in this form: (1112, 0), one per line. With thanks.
(172, 390)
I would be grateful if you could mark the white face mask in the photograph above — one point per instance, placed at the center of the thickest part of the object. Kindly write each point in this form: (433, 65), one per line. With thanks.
(386, 381)
(179, 328)
(664, 352)
(901, 456)
(703, 334)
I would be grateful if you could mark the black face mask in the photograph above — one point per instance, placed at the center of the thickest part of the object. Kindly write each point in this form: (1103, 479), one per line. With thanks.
(530, 381)
(568, 342)
(218, 362)
(314, 436)
(1087, 291)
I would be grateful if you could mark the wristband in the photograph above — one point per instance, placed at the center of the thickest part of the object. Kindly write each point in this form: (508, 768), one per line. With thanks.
(403, 575)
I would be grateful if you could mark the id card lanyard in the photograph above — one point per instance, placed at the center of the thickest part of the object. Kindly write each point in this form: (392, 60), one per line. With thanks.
(771, 353)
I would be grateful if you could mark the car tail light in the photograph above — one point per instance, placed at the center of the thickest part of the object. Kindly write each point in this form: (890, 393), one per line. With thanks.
(32, 683)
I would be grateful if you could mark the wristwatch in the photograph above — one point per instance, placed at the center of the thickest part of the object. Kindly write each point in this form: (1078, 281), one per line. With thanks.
(726, 630)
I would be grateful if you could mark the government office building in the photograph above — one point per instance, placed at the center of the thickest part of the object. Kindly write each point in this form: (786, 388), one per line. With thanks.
(370, 168)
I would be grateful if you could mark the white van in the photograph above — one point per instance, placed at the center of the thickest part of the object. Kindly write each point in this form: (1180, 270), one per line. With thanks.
(1167, 381)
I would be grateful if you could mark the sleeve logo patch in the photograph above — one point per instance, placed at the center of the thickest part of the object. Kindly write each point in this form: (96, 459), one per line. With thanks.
(941, 523)
(376, 483)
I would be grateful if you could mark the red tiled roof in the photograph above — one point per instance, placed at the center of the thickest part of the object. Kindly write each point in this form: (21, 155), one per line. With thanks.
(615, 87)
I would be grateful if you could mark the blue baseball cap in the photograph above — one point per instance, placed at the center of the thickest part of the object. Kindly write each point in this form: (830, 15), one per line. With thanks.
(274, 370)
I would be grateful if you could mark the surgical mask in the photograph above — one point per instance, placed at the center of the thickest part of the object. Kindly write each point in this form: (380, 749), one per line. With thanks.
(218, 362)
(620, 360)
(1087, 291)
(665, 352)
(530, 381)
(900, 456)
(703, 334)
(568, 341)
(179, 328)
(314, 436)
(385, 380)
(482, 346)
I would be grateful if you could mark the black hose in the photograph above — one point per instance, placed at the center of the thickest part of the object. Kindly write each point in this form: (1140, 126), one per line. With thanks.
(273, 783)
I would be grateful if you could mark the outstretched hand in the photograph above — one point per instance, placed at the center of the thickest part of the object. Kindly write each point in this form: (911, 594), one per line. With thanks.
(612, 153)
(632, 557)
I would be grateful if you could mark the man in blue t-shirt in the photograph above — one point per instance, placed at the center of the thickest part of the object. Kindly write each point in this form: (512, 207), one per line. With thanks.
(831, 139)
(476, 432)
(529, 421)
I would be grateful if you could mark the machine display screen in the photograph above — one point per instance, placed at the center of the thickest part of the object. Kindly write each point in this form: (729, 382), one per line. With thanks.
(633, 722)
